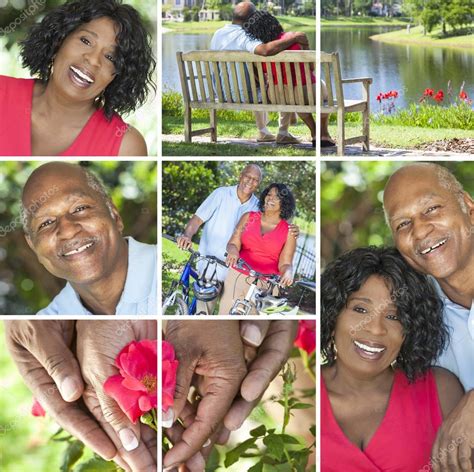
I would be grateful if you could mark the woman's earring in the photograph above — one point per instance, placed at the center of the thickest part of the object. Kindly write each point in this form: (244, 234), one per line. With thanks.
(100, 100)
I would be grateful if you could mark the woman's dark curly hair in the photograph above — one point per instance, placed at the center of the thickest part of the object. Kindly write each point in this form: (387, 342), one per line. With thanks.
(287, 201)
(418, 306)
(263, 26)
(134, 62)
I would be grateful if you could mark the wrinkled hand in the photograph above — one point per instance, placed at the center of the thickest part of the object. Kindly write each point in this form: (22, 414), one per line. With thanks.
(212, 351)
(98, 343)
(276, 343)
(454, 444)
(286, 278)
(294, 230)
(302, 39)
(232, 257)
(184, 242)
(41, 351)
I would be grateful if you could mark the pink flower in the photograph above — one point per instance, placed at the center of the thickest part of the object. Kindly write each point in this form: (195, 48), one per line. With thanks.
(306, 336)
(169, 366)
(134, 389)
(37, 409)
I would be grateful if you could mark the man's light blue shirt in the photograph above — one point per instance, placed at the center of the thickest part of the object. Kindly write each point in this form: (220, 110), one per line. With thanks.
(458, 357)
(139, 296)
(233, 38)
(221, 211)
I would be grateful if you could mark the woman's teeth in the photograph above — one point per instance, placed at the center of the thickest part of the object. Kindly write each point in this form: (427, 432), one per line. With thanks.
(370, 349)
(82, 76)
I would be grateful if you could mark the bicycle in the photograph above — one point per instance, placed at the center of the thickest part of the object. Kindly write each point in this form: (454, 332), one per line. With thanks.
(180, 300)
(262, 298)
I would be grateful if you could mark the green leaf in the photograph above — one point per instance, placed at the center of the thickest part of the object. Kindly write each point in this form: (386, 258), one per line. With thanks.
(96, 464)
(301, 406)
(313, 430)
(286, 438)
(275, 445)
(257, 432)
(213, 461)
(71, 455)
(233, 456)
(258, 467)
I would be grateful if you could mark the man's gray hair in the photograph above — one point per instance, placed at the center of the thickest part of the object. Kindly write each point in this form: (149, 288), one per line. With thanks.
(447, 180)
(93, 181)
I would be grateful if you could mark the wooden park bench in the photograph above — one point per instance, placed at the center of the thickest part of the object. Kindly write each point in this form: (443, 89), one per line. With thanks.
(232, 80)
(336, 103)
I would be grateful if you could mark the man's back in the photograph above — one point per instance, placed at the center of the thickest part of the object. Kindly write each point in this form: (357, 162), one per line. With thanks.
(233, 38)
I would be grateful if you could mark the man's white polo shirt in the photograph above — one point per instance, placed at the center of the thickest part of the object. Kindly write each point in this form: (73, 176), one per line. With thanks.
(458, 357)
(139, 296)
(233, 38)
(221, 211)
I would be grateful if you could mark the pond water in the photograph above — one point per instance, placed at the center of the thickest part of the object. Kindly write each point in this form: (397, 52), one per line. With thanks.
(407, 69)
(174, 42)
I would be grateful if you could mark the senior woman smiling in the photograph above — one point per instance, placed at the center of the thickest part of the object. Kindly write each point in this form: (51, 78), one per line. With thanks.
(382, 402)
(94, 62)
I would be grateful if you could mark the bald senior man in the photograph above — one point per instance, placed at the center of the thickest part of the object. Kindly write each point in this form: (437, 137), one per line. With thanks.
(232, 37)
(75, 230)
(432, 222)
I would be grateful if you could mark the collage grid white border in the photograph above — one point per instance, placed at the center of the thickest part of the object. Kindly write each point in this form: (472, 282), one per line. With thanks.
(160, 159)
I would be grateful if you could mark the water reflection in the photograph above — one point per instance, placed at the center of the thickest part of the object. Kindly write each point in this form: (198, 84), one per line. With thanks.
(405, 68)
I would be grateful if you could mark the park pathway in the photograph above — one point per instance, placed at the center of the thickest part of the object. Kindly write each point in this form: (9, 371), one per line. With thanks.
(350, 150)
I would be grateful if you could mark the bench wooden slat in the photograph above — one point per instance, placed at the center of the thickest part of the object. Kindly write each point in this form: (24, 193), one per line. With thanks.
(240, 56)
(271, 85)
(210, 86)
(261, 81)
(225, 74)
(309, 86)
(218, 81)
(192, 82)
(244, 82)
(299, 86)
(290, 86)
(235, 82)
(253, 85)
(327, 79)
(280, 96)
(201, 81)
(253, 107)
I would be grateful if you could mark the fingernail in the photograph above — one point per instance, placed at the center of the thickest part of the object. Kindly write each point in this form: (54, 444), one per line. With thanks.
(252, 335)
(207, 443)
(167, 418)
(128, 439)
(170, 468)
(69, 389)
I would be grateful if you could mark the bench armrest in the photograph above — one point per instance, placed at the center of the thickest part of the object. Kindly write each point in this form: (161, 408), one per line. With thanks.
(369, 80)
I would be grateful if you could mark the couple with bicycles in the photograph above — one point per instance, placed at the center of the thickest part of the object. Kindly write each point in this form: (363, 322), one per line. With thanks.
(256, 240)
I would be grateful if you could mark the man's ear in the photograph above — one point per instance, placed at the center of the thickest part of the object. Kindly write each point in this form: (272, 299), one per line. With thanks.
(470, 205)
(29, 242)
(116, 216)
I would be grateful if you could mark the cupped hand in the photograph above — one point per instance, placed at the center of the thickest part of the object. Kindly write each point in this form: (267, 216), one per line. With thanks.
(41, 349)
(212, 351)
(232, 257)
(286, 278)
(98, 343)
(184, 242)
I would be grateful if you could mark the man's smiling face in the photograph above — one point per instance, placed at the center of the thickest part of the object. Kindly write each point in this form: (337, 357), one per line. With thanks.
(431, 228)
(75, 234)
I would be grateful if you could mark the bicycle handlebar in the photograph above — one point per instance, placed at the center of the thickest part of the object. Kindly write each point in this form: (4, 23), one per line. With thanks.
(241, 263)
(196, 253)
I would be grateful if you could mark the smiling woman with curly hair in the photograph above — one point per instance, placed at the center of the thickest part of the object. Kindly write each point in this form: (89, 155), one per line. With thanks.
(93, 62)
(382, 330)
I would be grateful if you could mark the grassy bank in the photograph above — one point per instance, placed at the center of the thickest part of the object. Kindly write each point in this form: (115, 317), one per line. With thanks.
(289, 23)
(435, 38)
(362, 21)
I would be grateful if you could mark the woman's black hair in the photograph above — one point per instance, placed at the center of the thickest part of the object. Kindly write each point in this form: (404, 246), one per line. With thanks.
(134, 62)
(287, 201)
(263, 26)
(418, 306)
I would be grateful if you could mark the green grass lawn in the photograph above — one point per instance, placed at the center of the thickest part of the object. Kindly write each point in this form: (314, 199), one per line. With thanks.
(404, 137)
(435, 38)
(289, 23)
(362, 21)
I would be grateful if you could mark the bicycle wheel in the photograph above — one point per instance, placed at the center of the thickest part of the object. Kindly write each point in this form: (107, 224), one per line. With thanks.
(178, 307)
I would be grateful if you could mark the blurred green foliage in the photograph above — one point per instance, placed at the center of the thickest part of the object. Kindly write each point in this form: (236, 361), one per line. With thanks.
(19, 15)
(25, 286)
(351, 203)
(187, 184)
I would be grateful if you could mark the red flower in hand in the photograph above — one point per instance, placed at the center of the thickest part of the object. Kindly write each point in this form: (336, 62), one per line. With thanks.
(169, 366)
(37, 409)
(134, 389)
(306, 336)
(439, 96)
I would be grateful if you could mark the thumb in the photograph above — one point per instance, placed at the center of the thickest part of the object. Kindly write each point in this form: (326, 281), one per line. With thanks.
(184, 376)
(128, 432)
(61, 365)
(253, 332)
